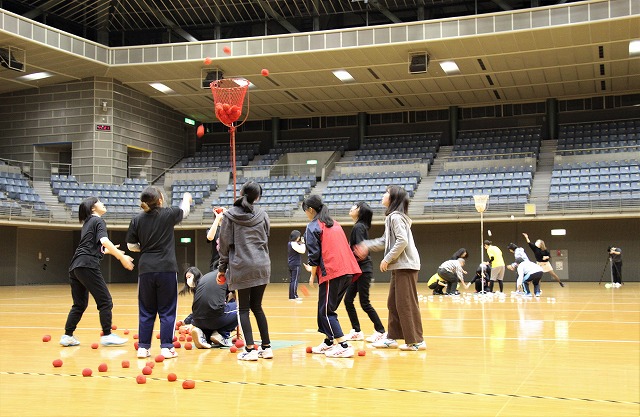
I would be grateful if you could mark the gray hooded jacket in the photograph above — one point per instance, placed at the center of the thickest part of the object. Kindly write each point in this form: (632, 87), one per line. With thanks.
(400, 251)
(244, 248)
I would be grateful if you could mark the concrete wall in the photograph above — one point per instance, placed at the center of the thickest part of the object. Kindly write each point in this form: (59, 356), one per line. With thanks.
(585, 243)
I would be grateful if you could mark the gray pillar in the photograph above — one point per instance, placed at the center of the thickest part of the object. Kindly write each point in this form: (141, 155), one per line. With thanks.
(275, 131)
(453, 124)
(552, 118)
(362, 128)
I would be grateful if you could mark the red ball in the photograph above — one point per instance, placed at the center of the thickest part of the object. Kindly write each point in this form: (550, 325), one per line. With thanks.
(86, 372)
(207, 61)
(136, 345)
(57, 363)
(218, 210)
(239, 343)
(188, 384)
(126, 331)
(189, 339)
(114, 327)
(362, 352)
(200, 133)
(177, 345)
(125, 364)
(226, 50)
(147, 370)
(188, 346)
(264, 72)
(159, 358)
(175, 338)
(233, 349)
(150, 364)
(158, 336)
(135, 336)
(141, 379)
(309, 349)
(182, 338)
(94, 346)
(46, 338)
(171, 377)
(102, 367)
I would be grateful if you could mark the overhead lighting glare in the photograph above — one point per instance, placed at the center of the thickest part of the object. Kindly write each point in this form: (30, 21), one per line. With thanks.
(162, 88)
(449, 67)
(558, 232)
(35, 76)
(343, 76)
(634, 48)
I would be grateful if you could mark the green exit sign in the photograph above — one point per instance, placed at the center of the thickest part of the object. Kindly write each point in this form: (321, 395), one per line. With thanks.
(189, 121)
(185, 240)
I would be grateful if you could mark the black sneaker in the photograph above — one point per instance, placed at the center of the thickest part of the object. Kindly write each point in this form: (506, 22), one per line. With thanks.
(561, 284)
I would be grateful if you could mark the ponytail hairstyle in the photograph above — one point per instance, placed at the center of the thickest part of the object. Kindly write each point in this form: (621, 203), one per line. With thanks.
(398, 200)
(151, 198)
(186, 289)
(294, 235)
(86, 208)
(365, 214)
(322, 212)
(249, 193)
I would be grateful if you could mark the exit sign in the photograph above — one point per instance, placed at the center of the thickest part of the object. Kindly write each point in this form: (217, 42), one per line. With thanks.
(185, 240)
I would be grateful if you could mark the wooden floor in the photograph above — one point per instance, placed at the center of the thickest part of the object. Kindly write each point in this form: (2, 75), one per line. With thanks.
(574, 351)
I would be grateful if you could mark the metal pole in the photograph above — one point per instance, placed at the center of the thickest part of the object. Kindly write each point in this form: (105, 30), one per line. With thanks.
(482, 249)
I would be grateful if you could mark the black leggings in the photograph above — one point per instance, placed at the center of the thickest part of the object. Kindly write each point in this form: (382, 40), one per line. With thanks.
(361, 286)
(251, 299)
(84, 281)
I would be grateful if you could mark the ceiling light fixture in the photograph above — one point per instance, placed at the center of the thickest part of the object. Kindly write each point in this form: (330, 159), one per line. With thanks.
(634, 48)
(35, 76)
(162, 88)
(344, 76)
(449, 67)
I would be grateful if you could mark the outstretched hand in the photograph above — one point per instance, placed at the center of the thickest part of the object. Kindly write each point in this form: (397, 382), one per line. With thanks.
(361, 251)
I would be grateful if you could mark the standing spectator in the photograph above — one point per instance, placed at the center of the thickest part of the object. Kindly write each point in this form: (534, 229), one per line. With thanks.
(402, 259)
(152, 234)
(497, 265)
(362, 215)
(245, 261)
(615, 254)
(295, 248)
(85, 276)
(543, 257)
(332, 262)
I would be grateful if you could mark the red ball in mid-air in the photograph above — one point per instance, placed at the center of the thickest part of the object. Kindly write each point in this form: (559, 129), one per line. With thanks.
(264, 72)
(226, 50)
(207, 61)
(200, 131)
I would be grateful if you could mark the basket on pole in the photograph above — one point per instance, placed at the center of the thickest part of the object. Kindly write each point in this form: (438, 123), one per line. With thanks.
(228, 98)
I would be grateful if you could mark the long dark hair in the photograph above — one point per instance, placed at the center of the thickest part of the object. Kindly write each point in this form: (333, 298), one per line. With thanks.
(460, 253)
(398, 200)
(365, 214)
(250, 192)
(150, 198)
(186, 289)
(322, 212)
(86, 208)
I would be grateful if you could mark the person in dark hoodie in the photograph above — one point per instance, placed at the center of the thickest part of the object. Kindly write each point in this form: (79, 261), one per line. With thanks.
(245, 262)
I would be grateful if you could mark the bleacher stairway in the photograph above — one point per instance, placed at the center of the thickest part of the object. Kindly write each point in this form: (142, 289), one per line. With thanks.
(426, 184)
(542, 178)
(57, 209)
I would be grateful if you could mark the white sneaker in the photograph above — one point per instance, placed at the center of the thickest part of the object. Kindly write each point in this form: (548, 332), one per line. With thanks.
(143, 353)
(169, 353)
(353, 335)
(216, 338)
(66, 340)
(321, 348)
(112, 339)
(337, 351)
(226, 342)
(385, 344)
(198, 339)
(265, 353)
(252, 355)
(413, 346)
(376, 336)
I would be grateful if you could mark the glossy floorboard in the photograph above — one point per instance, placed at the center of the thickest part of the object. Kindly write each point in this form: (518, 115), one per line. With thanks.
(574, 351)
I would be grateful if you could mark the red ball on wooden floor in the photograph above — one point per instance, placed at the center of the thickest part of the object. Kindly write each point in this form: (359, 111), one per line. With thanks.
(136, 345)
(177, 345)
(102, 367)
(171, 377)
(114, 327)
(46, 338)
(86, 372)
(189, 384)
(141, 379)
(159, 358)
(233, 349)
(188, 346)
(135, 336)
(126, 331)
(94, 346)
(158, 336)
(125, 364)
(147, 370)
(239, 343)
(362, 352)
(150, 364)
(57, 363)
(309, 349)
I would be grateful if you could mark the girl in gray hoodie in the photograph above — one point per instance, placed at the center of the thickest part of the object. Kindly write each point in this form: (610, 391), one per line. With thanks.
(402, 259)
(245, 261)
